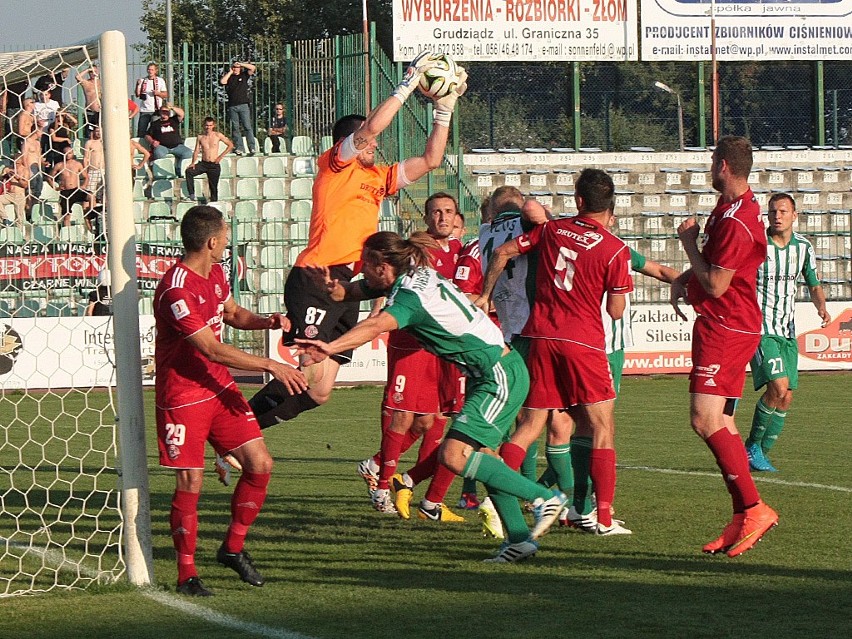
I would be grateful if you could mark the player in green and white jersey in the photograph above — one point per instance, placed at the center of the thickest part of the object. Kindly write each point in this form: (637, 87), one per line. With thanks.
(447, 324)
(775, 364)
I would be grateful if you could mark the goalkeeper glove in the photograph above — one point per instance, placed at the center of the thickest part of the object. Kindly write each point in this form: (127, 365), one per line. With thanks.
(413, 74)
(444, 106)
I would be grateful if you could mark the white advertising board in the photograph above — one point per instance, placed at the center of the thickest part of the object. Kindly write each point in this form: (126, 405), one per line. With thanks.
(516, 30)
(759, 30)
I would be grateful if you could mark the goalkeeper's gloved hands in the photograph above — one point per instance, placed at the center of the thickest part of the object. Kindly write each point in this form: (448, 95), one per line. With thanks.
(444, 106)
(412, 76)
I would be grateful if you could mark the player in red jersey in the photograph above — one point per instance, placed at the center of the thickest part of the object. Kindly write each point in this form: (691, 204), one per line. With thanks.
(420, 389)
(579, 261)
(722, 287)
(348, 190)
(197, 399)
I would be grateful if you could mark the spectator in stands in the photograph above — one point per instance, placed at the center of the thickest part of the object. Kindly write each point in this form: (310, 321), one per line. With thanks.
(90, 81)
(52, 84)
(31, 164)
(237, 85)
(151, 93)
(208, 144)
(12, 191)
(165, 138)
(60, 137)
(100, 299)
(26, 123)
(278, 127)
(45, 110)
(93, 161)
(72, 181)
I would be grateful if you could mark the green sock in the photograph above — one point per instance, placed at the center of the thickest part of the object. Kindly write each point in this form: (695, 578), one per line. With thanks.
(514, 524)
(581, 462)
(548, 477)
(469, 486)
(559, 459)
(495, 474)
(759, 422)
(776, 425)
(529, 468)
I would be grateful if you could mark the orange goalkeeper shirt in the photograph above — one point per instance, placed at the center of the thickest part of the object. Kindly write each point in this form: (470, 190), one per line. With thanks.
(346, 200)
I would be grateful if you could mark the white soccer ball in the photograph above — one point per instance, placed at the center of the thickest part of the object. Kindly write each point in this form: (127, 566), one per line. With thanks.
(441, 79)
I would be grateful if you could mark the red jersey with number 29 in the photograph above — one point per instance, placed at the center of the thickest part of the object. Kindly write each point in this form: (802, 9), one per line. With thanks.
(184, 304)
(735, 240)
(579, 261)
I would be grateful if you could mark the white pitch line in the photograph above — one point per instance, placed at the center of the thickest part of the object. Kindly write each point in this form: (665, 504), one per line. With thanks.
(218, 618)
(165, 599)
(765, 480)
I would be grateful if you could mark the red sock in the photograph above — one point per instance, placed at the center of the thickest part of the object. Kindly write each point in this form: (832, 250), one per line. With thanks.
(409, 440)
(425, 469)
(602, 471)
(432, 438)
(513, 455)
(391, 450)
(731, 457)
(184, 524)
(246, 503)
(440, 484)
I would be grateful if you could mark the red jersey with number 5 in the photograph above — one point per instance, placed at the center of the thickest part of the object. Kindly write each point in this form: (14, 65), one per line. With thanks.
(579, 261)
(735, 240)
(184, 304)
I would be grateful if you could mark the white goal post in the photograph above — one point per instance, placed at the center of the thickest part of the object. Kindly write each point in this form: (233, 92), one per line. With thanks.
(74, 500)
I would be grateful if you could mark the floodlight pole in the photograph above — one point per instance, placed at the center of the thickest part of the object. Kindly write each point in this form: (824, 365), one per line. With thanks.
(365, 30)
(714, 83)
(668, 89)
(170, 63)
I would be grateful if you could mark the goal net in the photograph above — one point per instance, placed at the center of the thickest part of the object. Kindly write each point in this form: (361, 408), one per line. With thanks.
(70, 479)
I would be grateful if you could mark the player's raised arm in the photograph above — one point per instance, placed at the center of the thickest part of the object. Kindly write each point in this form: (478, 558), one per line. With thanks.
(363, 332)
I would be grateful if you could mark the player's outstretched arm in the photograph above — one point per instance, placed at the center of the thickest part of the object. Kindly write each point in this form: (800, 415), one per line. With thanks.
(361, 333)
(818, 299)
(496, 266)
(659, 271)
(214, 350)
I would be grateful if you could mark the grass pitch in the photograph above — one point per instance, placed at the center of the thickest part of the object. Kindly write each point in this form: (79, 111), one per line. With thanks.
(336, 568)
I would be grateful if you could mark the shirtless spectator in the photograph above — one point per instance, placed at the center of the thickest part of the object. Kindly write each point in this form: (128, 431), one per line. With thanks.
(32, 163)
(12, 188)
(208, 145)
(72, 181)
(26, 122)
(93, 161)
(90, 81)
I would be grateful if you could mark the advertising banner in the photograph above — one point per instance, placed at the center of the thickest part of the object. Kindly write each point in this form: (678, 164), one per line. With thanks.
(759, 30)
(516, 30)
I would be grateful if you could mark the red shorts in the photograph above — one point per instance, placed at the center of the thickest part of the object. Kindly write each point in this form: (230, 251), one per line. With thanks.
(564, 374)
(719, 358)
(414, 381)
(452, 388)
(226, 421)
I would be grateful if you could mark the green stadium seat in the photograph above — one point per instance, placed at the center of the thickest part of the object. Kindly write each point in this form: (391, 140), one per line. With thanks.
(274, 189)
(300, 210)
(302, 188)
(302, 145)
(275, 166)
(274, 210)
(248, 189)
(246, 210)
(248, 167)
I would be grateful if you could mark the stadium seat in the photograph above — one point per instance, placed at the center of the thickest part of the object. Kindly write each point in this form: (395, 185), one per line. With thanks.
(146, 306)
(224, 207)
(11, 235)
(273, 257)
(248, 167)
(74, 233)
(182, 208)
(302, 145)
(246, 210)
(274, 189)
(30, 307)
(267, 304)
(5, 309)
(275, 166)
(190, 142)
(274, 210)
(299, 231)
(156, 233)
(273, 232)
(326, 143)
(272, 281)
(159, 210)
(304, 166)
(227, 166)
(44, 233)
(267, 146)
(302, 188)
(139, 190)
(248, 189)
(164, 168)
(246, 232)
(300, 210)
(162, 190)
(49, 194)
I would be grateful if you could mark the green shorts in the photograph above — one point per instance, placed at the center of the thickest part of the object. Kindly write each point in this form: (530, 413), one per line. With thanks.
(522, 345)
(616, 365)
(492, 402)
(776, 357)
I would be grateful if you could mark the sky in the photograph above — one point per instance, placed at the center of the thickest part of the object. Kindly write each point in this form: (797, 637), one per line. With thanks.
(33, 24)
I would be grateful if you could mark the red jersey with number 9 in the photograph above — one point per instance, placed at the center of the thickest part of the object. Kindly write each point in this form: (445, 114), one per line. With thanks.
(184, 304)
(579, 261)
